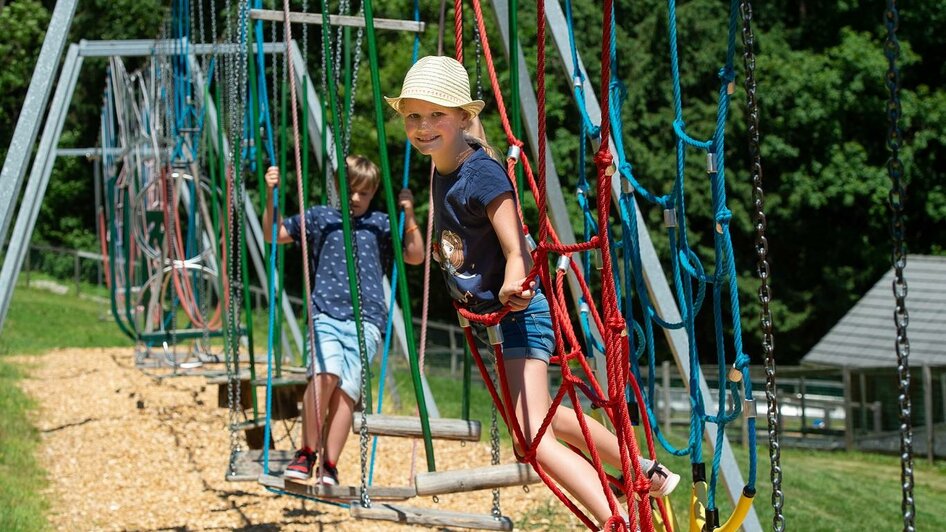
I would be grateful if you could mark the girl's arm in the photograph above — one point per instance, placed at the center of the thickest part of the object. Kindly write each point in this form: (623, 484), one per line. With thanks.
(282, 236)
(505, 220)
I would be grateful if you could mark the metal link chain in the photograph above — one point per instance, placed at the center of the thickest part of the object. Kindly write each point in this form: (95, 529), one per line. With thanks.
(494, 459)
(762, 267)
(225, 66)
(898, 258)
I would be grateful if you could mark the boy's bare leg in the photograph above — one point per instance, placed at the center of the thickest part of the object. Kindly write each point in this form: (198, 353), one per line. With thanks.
(528, 385)
(312, 424)
(341, 408)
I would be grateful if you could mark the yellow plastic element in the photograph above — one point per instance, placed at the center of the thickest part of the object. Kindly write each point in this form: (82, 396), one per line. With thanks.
(697, 508)
(659, 524)
(738, 516)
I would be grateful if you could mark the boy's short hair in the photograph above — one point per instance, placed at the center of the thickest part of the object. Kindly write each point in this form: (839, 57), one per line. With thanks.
(362, 173)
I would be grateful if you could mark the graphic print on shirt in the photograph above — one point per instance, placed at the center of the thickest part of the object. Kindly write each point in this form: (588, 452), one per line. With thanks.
(449, 249)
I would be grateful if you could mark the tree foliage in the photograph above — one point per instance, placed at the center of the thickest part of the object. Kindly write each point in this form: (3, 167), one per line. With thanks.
(821, 91)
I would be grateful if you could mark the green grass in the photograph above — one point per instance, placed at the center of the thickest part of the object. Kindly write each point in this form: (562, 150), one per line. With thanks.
(39, 320)
(824, 491)
(21, 478)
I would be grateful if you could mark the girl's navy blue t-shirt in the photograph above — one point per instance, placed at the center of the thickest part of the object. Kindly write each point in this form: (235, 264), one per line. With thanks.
(464, 241)
(331, 293)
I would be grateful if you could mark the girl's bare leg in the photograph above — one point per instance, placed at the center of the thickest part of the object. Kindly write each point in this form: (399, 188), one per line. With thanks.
(528, 386)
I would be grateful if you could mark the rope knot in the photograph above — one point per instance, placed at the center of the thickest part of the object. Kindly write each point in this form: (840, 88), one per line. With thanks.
(603, 158)
(641, 487)
(723, 216)
(727, 74)
(742, 361)
(616, 324)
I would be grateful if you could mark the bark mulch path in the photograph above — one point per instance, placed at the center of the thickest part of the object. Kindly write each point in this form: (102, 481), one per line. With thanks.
(113, 465)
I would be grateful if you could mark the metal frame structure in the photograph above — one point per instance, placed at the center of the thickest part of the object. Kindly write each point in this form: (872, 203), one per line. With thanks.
(37, 95)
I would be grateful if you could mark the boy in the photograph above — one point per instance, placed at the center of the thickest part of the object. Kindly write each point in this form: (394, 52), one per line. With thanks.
(334, 370)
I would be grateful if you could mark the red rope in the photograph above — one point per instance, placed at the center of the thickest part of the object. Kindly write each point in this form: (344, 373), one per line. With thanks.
(611, 324)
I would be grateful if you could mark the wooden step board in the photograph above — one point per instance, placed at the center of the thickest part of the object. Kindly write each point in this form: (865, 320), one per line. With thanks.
(248, 465)
(338, 493)
(429, 517)
(481, 478)
(409, 427)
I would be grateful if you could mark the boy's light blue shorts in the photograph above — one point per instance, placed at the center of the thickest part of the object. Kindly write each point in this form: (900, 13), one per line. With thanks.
(337, 351)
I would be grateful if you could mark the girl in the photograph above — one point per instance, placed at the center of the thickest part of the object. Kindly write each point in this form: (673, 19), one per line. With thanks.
(483, 254)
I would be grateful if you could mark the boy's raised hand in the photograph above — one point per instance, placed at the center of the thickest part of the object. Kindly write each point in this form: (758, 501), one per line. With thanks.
(272, 177)
(405, 200)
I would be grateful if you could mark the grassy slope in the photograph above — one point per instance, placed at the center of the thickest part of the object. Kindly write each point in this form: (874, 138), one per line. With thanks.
(36, 322)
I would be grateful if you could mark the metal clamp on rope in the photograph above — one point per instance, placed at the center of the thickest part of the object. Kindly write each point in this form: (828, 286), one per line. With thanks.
(514, 152)
(735, 375)
(610, 170)
(577, 82)
(596, 257)
(626, 186)
(670, 217)
(710, 163)
(531, 243)
(584, 308)
(495, 334)
(749, 409)
(464, 323)
(731, 87)
(563, 262)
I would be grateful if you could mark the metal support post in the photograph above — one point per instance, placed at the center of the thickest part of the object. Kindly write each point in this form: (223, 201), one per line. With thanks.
(27, 124)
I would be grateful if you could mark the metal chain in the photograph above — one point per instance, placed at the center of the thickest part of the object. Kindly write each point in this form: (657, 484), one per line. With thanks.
(762, 267)
(225, 65)
(354, 86)
(494, 459)
(305, 35)
(274, 108)
(898, 258)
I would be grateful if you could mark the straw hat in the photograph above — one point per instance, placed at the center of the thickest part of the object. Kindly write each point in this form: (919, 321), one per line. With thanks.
(439, 80)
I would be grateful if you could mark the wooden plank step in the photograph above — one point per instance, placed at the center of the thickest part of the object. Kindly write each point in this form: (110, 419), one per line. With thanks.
(338, 493)
(250, 424)
(248, 465)
(481, 478)
(337, 20)
(429, 517)
(409, 427)
(285, 380)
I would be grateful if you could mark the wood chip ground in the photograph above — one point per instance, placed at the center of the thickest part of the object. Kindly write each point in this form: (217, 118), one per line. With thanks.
(113, 465)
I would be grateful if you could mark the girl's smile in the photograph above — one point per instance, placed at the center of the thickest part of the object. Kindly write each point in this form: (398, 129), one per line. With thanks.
(435, 130)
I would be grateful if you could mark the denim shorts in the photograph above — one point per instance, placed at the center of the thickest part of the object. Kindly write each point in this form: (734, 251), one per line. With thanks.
(337, 352)
(527, 333)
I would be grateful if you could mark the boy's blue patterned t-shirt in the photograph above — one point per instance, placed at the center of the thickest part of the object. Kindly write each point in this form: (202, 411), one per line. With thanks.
(331, 294)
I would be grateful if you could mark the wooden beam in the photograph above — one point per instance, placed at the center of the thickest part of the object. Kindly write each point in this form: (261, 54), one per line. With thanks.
(274, 15)
(409, 427)
(339, 493)
(248, 465)
(481, 478)
(430, 517)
